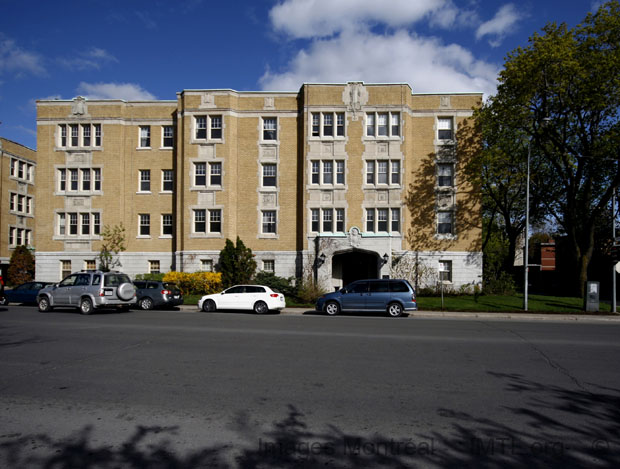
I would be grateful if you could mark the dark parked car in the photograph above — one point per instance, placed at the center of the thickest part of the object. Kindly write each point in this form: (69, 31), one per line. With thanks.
(153, 294)
(391, 296)
(24, 293)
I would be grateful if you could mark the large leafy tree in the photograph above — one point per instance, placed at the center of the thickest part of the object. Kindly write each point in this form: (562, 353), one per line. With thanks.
(561, 96)
(236, 263)
(21, 266)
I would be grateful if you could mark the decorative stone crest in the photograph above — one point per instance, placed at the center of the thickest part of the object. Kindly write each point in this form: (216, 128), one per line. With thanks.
(207, 100)
(78, 107)
(444, 102)
(354, 97)
(355, 237)
(270, 104)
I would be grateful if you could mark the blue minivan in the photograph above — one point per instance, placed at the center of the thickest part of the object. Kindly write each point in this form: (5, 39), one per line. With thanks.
(392, 296)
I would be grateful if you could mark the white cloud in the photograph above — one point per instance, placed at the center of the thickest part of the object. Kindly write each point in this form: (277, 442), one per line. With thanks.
(126, 91)
(501, 24)
(426, 64)
(13, 59)
(320, 18)
(90, 59)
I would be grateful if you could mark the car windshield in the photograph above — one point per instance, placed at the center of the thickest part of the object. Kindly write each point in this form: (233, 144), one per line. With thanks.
(114, 280)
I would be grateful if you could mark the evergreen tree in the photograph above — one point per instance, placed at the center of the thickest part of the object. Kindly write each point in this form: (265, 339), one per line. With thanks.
(236, 263)
(21, 266)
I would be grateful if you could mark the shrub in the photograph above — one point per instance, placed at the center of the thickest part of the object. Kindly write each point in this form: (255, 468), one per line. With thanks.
(309, 291)
(196, 283)
(281, 284)
(21, 266)
(503, 285)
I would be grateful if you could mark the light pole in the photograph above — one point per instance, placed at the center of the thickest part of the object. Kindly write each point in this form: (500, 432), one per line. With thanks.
(613, 238)
(526, 266)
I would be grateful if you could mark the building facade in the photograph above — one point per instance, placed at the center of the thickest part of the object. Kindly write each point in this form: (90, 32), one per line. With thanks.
(17, 176)
(335, 181)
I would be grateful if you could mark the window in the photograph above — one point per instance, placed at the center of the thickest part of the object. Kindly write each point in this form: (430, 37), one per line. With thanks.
(215, 174)
(212, 123)
(62, 222)
(322, 172)
(65, 269)
(166, 224)
(85, 222)
(200, 225)
(90, 264)
(270, 126)
(315, 212)
(340, 220)
(269, 175)
(445, 271)
(327, 220)
(74, 179)
(444, 222)
(215, 221)
(96, 223)
(445, 175)
(79, 135)
(73, 223)
(86, 135)
(63, 135)
(200, 174)
(167, 136)
(145, 224)
(384, 172)
(167, 180)
(323, 124)
(85, 179)
(269, 265)
(145, 136)
(75, 136)
(97, 179)
(206, 265)
(97, 128)
(145, 180)
(269, 221)
(154, 267)
(200, 221)
(445, 128)
(383, 220)
(12, 233)
(383, 124)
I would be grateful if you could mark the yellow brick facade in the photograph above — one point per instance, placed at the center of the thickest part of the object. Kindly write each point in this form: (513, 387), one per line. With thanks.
(357, 175)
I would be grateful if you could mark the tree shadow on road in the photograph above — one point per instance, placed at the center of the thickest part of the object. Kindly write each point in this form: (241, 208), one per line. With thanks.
(560, 427)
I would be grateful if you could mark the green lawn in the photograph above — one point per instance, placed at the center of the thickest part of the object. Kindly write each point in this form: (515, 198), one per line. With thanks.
(495, 303)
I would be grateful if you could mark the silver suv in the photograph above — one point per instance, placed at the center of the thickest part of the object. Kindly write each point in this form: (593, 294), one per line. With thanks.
(88, 290)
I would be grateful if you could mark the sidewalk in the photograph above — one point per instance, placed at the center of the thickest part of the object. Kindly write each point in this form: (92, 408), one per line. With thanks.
(461, 315)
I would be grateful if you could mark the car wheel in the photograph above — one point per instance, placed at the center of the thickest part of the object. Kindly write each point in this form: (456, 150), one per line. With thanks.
(332, 308)
(209, 306)
(44, 304)
(4, 301)
(260, 307)
(86, 306)
(146, 303)
(395, 310)
(125, 291)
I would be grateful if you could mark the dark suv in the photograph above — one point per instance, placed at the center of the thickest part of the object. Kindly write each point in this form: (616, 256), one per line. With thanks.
(391, 296)
(152, 294)
(88, 290)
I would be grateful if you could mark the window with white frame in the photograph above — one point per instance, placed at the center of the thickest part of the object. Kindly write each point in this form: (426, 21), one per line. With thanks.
(270, 128)
(270, 174)
(144, 224)
(328, 124)
(81, 224)
(383, 124)
(269, 222)
(145, 180)
(167, 136)
(215, 173)
(208, 127)
(145, 136)
(206, 265)
(327, 220)
(167, 180)
(445, 271)
(445, 175)
(85, 223)
(327, 172)
(90, 264)
(383, 172)
(154, 267)
(78, 135)
(269, 265)
(19, 237)
(22, 170)
(85, 177)
(445, 222)
(96, 179)
(74, 180)
(166, 224)
(207, 221)
(445, 128)
(20, 204)
(383, 220)
(65, 268)
(200, 174)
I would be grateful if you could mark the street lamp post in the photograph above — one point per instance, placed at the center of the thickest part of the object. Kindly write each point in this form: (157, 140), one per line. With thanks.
(526, 266)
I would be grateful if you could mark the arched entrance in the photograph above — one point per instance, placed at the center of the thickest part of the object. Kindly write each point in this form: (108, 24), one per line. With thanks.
(354, 265)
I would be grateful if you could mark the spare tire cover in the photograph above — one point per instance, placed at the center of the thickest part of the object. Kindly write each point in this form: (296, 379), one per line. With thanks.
(125, 291)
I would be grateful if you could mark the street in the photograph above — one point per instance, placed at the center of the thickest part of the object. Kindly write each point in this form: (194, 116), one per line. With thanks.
(188, 389)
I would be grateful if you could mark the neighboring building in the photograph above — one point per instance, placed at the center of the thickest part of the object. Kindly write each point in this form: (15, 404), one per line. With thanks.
(17, 175)
(337, 181)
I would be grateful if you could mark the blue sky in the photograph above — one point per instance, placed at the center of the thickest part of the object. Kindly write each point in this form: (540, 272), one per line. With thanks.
(150, 49)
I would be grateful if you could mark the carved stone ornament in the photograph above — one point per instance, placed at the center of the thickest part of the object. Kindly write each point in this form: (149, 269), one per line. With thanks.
(78, 107)
(270, 104)
(207, 100)
(354, 97)
(355, 237)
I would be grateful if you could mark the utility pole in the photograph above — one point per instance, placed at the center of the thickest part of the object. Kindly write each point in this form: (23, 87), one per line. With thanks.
(526, 262)
(613, 237)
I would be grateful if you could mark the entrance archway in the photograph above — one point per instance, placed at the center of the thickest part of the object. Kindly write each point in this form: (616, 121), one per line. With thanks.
(355, 265)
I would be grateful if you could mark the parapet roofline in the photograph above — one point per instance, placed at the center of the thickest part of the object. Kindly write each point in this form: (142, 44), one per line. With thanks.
(110, 101)
(14, 142)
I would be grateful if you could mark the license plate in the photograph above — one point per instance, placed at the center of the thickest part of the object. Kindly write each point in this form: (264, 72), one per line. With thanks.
(109, 293)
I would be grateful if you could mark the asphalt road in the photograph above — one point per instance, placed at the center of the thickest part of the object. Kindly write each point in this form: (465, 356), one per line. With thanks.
(186, 389)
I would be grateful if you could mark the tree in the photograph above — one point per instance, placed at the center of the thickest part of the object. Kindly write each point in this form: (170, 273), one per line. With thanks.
(236, 263)
(21, 266)
(560, 97)
(113, 242)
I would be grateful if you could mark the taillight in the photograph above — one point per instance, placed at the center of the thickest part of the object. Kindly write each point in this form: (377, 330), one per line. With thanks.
(274, 295)
(166, 292)
(413, 298)
(101, 293)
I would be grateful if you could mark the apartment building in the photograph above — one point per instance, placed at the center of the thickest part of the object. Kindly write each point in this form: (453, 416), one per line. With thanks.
(17, 174)
(335, 181)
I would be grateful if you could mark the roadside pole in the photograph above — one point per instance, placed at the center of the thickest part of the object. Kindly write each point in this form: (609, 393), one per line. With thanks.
(613, 237)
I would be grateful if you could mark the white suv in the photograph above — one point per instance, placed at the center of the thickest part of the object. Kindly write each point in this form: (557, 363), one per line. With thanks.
(88, 290)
